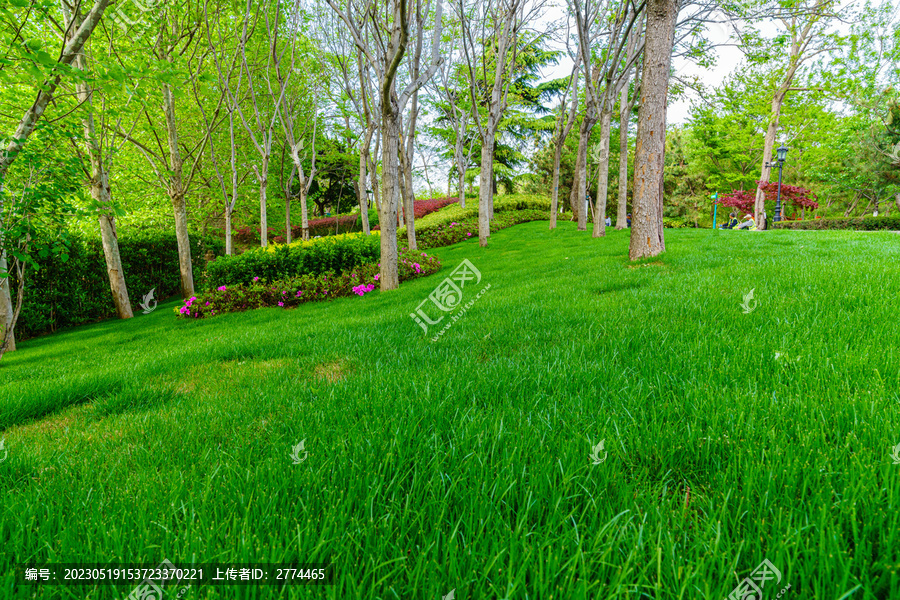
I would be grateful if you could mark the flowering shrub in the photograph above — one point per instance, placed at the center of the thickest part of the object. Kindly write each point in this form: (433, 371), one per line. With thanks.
(502, 204)
(293, 291)
(425, 207)
(458, 231)
(741, 200)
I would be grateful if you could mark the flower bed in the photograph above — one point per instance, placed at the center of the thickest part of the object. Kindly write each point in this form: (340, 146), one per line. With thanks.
(293, 291)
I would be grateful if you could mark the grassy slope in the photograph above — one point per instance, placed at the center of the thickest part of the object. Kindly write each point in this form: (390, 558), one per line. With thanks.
(465, 463)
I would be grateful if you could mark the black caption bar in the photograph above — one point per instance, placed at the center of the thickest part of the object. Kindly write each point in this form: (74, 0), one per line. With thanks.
(166, 575)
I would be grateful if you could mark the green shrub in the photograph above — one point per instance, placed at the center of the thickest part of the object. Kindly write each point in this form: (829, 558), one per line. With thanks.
(293, 291)
(63, 294)
(335, 253)
(854, 223)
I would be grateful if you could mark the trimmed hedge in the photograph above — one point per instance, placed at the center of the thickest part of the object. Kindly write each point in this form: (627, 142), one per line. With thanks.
(507, 203)
(854, 223)
(335, 253)
(62, 294)
(453, 232)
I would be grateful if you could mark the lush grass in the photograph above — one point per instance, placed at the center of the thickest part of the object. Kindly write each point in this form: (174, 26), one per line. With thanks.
(464, 464)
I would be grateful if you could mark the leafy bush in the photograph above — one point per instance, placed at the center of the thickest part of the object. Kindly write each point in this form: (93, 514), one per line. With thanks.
(75, 292)
(857, 223)
(676, 223)
(336, 253)
(293, 291)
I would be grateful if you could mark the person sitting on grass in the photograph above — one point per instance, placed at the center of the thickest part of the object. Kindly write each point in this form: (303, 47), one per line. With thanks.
(732, 221)
(748, 224)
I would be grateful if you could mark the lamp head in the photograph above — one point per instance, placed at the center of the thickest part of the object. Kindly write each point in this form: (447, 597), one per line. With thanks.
(782, 153)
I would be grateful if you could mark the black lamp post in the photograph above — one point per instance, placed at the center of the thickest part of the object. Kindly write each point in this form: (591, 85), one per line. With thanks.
(781, 155)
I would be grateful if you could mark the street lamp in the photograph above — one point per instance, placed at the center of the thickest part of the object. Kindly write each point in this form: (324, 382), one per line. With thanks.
(781, 155)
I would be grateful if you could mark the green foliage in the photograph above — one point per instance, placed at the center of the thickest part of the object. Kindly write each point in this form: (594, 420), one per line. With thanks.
(857, 223)
(337, 253)
(73, 288)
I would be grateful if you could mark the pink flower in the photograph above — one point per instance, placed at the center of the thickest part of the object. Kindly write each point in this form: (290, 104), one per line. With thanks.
(300, 293)
(256, 279)
(207, 303)
(281, 304)
(221, 288)
(468, 235)
(377, 276)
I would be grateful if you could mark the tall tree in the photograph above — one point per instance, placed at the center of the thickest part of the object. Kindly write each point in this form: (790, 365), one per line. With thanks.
(98, 173)
(502, 21)
(649, 156)
(46, 88)
(382, 37)
(807, 24)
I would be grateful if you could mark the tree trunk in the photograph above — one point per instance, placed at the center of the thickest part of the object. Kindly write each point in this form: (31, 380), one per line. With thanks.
(602, 174)
(409, 204)
(406, 195)
(229, 247)
(461, 169)
(759, 205)
(390, 180)
(485, 189)
(580, 185)
(6, 307)
(361, 196)
(177, 195)
(554, 199)
(111, 248)
(646, 223)
(100, 192)
(229, 203)
(462, 187)
(287, 215)
(624, 118)
(263, 178)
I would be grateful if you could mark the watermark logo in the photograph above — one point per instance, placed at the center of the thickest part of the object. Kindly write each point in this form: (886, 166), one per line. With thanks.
(895, 454)
(751, 587)
(121, 18)
(595, 453)
(297, 451)
(4, 453)
(450, 596)
(152, 588)
(146, 303)
(748, 298)
(447, 298)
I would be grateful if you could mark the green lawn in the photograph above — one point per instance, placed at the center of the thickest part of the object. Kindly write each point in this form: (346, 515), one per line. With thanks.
(464, 464)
